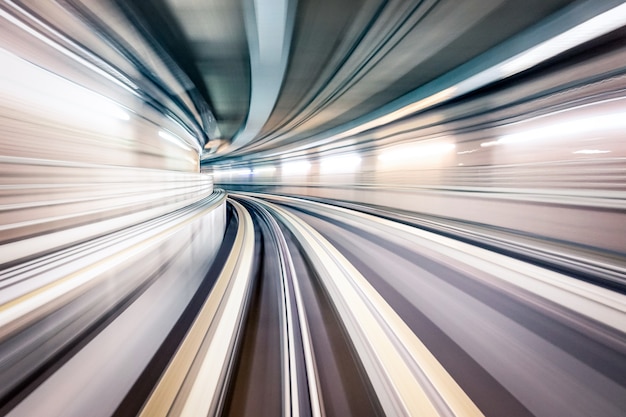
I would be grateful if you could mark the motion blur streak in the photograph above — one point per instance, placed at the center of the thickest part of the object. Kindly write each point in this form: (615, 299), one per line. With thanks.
(312, 208)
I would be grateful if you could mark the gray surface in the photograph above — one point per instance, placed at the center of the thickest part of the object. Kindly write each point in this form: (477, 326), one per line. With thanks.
(544, 378)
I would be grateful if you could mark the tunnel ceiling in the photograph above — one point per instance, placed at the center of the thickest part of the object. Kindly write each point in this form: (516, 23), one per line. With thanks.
(345, 58)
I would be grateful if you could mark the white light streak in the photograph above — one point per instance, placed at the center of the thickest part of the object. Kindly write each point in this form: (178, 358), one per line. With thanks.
(268, 169)
(586, 31)
(415, 151)
(241, 171)
(130, 87)
(174, 139)
(340, 164)
(591, 151)
(592, 28)
(300, 167)
(39, 88)
(572, 127)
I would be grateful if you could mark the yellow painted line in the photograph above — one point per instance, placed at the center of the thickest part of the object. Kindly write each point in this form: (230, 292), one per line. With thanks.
(290, 380)
(35, 304)
(508, 274)
(402, 370)
(180, 393)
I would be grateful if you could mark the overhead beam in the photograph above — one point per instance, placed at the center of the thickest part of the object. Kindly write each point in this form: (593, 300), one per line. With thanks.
(269, 27)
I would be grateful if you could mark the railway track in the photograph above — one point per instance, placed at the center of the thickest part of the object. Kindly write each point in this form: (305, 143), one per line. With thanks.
(307, 310)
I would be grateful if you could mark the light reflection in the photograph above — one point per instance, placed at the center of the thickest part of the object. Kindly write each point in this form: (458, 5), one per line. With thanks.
(414, 151)
(173, 139)
(591, 151)
(300, 167)
(340, 164)
(572, 127)
(591, 29)
(268, 169)
(242, 171)
(39, 88)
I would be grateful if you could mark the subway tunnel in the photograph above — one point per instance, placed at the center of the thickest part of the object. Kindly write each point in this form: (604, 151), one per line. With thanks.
(313, 208)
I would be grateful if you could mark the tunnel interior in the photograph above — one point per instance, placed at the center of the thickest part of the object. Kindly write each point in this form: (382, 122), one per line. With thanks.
(313, 208)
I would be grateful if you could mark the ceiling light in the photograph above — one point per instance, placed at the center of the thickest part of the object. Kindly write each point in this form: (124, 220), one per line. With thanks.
(415, 151)
(269, 169)
(300, 167)
(339, 164)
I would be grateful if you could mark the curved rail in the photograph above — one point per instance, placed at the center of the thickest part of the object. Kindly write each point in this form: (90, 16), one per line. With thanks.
(291, 296)
(194, 382)
(406, 377)
(52, 306)
(498, 311)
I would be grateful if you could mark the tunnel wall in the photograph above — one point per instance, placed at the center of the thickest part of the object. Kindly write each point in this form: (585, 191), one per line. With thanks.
(540, 216)
(97, 131)
(541, 154)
